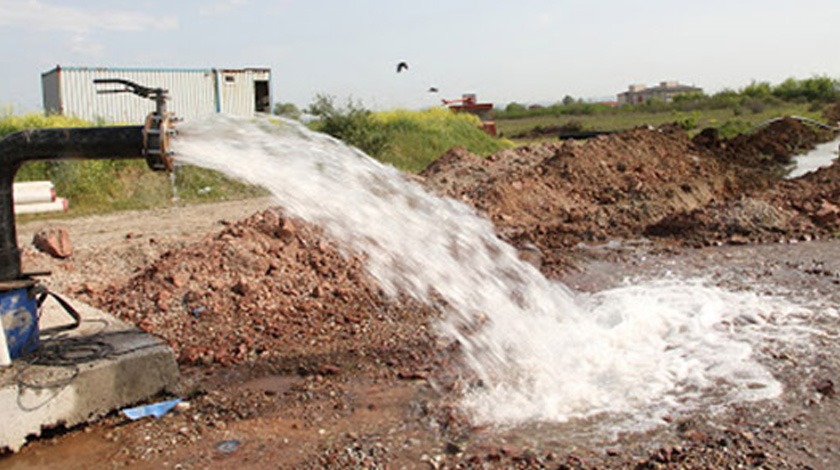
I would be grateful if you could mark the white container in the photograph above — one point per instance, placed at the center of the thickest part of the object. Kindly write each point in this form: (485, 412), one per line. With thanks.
(29, 192)
(70, 91)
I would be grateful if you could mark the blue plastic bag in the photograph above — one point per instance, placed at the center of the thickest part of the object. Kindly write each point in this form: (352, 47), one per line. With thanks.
(155, 409)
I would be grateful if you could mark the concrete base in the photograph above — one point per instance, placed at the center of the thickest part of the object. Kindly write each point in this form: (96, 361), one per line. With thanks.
(82, 374)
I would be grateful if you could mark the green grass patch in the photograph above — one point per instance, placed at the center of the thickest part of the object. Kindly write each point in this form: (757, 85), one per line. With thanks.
(100, 186)
(417, 138)
(728, 121)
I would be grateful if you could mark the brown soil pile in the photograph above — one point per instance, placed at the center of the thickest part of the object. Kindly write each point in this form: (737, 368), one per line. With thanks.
(801, 209)
(644, 182)
(832, 114)
(264, 288)
(762, 155)
(559, 194)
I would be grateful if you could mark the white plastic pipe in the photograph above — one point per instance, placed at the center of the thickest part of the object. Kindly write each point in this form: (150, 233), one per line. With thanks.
(59, 205)
(5, 358)
(33, 191)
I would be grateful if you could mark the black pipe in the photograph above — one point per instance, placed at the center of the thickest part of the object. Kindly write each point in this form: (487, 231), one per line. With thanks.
(120, 142)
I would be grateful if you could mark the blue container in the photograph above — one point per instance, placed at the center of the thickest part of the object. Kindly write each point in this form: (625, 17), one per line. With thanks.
(19, 312)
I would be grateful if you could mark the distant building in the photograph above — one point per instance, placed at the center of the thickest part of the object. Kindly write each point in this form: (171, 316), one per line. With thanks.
(666, 91)
(70, 91)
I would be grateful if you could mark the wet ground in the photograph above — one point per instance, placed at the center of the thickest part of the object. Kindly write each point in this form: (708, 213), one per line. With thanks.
(364, 415)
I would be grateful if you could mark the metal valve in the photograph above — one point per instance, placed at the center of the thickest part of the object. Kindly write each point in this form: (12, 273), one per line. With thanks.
(159, 126)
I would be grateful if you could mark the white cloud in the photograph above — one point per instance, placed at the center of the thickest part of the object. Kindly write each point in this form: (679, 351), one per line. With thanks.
(221, 7)
(545, 19)
(46, 16)
(82, 45)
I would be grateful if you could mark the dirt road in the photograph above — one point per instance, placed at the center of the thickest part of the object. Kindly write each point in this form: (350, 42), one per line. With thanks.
(109, 248)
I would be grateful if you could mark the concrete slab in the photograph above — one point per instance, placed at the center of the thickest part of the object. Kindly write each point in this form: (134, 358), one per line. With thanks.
(80, 375)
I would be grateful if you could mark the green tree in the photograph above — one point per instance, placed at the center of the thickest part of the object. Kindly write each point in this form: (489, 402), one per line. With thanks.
(757, 90)
(568, 100)
(815, 89)
(514, 107)
(288, 110)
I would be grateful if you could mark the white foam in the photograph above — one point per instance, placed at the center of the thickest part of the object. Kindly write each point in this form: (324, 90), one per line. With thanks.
(543, 352)
(647, 350)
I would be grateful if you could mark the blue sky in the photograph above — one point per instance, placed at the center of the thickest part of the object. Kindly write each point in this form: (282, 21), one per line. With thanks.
(525, 51)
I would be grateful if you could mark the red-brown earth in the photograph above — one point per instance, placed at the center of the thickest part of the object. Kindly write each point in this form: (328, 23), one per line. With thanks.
(290, 348)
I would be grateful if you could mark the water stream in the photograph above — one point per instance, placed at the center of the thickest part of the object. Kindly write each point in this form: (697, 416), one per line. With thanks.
(544, 352)
(821, 156)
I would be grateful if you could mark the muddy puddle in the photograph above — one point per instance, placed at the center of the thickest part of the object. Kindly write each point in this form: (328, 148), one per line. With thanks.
(75, 450)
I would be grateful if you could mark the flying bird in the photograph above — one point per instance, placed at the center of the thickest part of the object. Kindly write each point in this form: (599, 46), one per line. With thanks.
(402, 66)
(433, 90)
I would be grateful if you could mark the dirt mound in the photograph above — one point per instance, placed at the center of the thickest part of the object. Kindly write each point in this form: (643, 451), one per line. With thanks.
(765, 152)
(645, 182)
(263, 288)
(268, 287)
(738, 222)
(800, 209)
(559, 194)
(832, 114)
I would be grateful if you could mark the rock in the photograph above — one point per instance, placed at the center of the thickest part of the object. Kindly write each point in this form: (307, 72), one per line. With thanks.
(287, 230)
(825, 387)
(511, 451)
(54, 241)
(453, 448)
(329, 369)
(828, 214)
(738, 240)
(180, 278)
(243, 287)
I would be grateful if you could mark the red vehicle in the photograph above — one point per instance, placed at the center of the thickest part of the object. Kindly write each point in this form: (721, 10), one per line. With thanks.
(468, 104)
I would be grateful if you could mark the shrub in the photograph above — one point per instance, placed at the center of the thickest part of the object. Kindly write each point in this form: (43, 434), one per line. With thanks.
(287, 110)
(755, 105)
(352, 124)
(417, 138)
(733, 127)
(687, 122)
(408, 140)
(815, 89)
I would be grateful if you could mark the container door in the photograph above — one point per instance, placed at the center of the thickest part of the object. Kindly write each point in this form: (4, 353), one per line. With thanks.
(262, 100)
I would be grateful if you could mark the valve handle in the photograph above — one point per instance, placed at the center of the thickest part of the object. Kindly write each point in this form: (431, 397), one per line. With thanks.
(130, 87)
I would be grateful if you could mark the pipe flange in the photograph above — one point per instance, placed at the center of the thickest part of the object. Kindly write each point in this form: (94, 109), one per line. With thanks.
(157, 132)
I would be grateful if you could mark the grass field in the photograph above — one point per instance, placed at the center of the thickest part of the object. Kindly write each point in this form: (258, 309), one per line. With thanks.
(724, 119)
